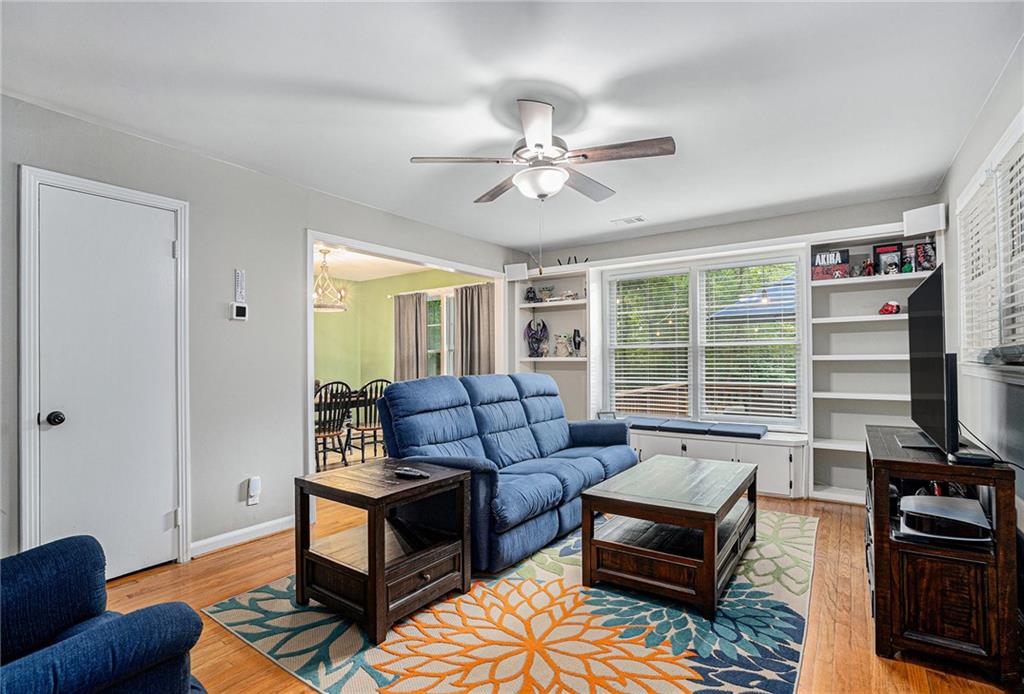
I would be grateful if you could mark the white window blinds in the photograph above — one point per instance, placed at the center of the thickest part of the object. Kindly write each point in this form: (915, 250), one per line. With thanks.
(979, 274)
(649, 345)
(749, 343)
(991, 245)
(1010, 223)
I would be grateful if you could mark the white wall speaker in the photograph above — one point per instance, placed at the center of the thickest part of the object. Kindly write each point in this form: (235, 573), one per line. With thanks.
(924, 220)
(516, 271)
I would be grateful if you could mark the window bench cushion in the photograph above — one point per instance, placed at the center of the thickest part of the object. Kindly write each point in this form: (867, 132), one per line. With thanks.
(745, 431)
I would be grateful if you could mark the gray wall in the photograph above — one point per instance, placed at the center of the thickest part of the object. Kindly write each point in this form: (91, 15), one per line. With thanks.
(761, 229)
(248, 379)
(994, 410)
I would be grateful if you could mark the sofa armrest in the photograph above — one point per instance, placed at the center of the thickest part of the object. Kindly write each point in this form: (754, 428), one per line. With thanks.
(47, 590)
(598, 433)
(483, 485)
(107, 654)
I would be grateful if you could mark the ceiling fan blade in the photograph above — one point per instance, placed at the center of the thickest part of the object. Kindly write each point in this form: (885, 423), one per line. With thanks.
(588, 186)
(536, 118)
(462, 160)
(655, 147)
(497, 191)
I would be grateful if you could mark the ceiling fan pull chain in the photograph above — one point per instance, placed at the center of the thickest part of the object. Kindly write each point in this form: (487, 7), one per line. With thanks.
(540, 239)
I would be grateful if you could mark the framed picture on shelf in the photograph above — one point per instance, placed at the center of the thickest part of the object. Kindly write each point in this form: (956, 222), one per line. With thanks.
(909, 263)
(924, 256)
(830, 265)
(888, 258)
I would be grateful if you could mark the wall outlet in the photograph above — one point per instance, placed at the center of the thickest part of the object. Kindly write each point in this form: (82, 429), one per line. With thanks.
(254, 487)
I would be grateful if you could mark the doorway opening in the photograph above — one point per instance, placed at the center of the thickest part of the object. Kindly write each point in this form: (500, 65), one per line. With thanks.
(379, 315)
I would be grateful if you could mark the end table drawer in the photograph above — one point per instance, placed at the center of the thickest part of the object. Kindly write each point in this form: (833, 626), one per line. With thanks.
(403, 587)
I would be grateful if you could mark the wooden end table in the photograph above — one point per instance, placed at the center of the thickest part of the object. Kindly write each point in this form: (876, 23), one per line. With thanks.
(679, 529)
(382, 571)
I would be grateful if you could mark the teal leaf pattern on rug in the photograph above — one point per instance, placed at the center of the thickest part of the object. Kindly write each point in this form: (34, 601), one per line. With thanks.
(313, 642)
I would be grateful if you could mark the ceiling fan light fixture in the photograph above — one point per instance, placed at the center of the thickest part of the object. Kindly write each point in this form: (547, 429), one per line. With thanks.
(540, 182)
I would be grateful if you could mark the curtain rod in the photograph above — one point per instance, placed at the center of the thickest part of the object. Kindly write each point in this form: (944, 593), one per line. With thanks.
(427, 291)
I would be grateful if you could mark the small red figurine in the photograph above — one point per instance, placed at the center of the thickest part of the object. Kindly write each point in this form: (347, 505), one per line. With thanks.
(889, 308)
(869, 268)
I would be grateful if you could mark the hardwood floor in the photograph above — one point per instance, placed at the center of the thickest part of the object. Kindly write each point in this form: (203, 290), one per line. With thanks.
(838, 656)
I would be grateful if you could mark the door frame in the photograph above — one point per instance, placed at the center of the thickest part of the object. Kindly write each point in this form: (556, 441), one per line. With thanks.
(313, 237)
(31, 179)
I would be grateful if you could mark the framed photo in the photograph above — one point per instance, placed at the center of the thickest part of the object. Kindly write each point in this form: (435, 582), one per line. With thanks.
(606, 414)
(924, 256)
(909, 263)
(888, 258)
(830, 265)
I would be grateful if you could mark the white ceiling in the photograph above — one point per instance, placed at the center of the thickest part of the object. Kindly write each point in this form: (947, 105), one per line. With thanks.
(775, 108)
(359, 267)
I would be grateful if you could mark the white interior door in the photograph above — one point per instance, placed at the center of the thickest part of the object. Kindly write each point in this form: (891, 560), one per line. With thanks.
(107, 361)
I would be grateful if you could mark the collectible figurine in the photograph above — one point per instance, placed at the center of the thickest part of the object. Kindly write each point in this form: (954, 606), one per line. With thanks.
(536, 334)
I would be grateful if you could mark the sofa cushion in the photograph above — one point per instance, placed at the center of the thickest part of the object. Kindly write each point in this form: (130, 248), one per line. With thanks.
(521, 497)
(575, 474)
(544, 411)
(500, 419)
(614, 459)
(432, 416)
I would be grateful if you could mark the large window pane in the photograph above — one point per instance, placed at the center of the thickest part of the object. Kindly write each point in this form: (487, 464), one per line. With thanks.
(749, 346)
(649, 332)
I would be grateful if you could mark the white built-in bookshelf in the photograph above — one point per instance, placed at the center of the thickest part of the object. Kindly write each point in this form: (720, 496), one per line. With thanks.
(859, 362)
(561, 316)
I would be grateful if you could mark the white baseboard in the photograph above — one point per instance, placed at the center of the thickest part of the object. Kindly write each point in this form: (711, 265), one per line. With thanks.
(235, 537)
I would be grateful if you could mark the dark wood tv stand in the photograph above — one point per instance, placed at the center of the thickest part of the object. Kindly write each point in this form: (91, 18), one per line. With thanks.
(947, 600)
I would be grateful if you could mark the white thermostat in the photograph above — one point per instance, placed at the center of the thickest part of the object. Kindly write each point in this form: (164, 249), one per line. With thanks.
(239, 311)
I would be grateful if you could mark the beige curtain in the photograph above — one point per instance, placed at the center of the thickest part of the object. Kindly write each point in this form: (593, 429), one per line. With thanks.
(474, 329)
(410, 336)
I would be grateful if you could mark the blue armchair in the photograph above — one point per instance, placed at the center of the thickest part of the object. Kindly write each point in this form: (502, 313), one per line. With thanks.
(56, 635)
(528, 463)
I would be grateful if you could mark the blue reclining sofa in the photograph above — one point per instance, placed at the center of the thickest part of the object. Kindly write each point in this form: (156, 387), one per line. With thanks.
(528, 463)
(57, 636)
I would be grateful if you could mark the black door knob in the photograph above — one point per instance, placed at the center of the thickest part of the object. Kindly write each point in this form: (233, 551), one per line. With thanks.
(55, 418)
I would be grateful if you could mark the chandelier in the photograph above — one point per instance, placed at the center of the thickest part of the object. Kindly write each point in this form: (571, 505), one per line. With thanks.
(326, 296)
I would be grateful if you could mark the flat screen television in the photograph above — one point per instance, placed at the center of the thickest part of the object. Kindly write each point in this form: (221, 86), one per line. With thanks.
(933, 397)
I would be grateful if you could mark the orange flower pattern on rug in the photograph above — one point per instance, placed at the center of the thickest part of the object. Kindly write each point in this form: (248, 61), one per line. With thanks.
(525, 636)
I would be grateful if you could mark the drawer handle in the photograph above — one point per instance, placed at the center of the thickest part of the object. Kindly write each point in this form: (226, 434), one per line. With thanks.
(425, 576)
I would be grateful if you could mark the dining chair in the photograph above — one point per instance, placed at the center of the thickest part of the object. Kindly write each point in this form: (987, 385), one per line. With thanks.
(365, 425)
(332, 404)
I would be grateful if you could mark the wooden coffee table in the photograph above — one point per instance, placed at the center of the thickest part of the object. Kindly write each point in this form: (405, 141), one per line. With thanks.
(382, 571)
(679, 529)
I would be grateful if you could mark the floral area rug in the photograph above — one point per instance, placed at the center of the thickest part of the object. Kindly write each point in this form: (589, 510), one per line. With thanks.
(535, 628)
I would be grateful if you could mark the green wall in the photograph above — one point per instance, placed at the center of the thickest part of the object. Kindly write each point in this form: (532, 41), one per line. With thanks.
(359, 345)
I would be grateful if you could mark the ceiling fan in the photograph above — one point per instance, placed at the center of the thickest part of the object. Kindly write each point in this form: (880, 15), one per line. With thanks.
(547, 159)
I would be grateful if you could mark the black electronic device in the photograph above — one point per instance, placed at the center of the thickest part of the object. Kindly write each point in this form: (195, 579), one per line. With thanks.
(944, 518)
(933, 394)
(411, 473)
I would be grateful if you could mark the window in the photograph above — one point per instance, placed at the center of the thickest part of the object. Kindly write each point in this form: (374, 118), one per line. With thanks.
(649, 345)
(1010, 215)
(440, 335)
(991, 249)
(749, 343)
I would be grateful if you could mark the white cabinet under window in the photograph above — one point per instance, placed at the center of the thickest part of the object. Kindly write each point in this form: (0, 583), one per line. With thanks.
(778, 455)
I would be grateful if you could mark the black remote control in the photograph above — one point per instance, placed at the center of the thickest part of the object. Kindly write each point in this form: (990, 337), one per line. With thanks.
(411, 473)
